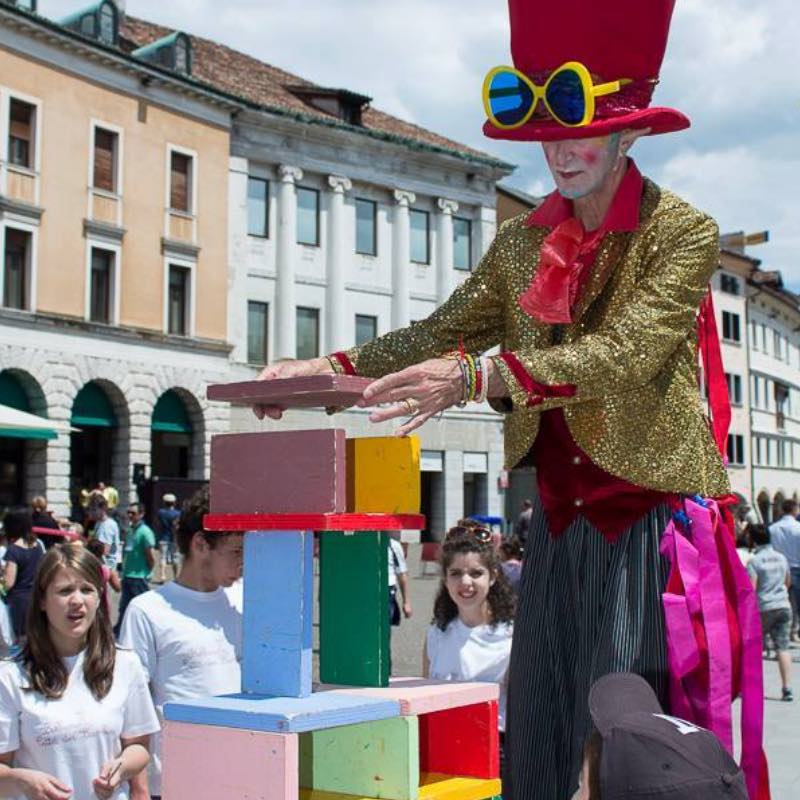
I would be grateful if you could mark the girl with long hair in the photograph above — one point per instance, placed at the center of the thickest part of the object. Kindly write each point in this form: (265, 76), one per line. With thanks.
(470, 636)
(75, 711)
(21, 559)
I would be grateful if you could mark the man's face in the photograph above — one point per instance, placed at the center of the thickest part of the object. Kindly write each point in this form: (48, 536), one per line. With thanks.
(223, 563)
(581, 166)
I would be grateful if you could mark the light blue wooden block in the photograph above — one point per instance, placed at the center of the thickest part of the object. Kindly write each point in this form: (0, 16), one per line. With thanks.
(281, 714)
(278, 600)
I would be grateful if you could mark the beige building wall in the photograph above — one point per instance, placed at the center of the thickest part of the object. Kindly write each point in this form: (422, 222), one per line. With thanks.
(68, 107)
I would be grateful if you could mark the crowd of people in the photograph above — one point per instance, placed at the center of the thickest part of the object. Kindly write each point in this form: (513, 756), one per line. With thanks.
(98, 733)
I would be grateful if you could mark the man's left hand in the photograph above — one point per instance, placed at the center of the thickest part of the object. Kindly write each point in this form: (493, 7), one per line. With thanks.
(418, 392)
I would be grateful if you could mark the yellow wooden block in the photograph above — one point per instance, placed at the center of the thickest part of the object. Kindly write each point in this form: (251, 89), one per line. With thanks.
(383, 475)
(445, 787)
(432, 787)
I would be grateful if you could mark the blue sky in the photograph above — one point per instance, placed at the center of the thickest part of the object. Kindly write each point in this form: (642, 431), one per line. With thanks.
(731, 66)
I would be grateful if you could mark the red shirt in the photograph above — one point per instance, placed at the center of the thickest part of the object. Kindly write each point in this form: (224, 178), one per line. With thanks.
(570, 483)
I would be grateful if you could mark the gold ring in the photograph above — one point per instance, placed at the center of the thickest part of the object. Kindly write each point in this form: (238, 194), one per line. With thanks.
(412, 405)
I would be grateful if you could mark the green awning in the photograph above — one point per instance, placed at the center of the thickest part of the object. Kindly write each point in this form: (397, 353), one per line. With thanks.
(93, 409)
(170, 415)
(12, 393)
(16, 421)
(16, 424)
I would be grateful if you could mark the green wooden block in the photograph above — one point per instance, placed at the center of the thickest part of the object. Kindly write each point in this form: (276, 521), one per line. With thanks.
(354, 608)
(371, 759)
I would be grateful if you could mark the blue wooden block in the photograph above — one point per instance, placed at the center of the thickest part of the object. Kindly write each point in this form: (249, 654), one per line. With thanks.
(278, 603)
(281, 714)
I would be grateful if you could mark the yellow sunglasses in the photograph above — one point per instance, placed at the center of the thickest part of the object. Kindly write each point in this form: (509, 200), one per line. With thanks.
(510, 97)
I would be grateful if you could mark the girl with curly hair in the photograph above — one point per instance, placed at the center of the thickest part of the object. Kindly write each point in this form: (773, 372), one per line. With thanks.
(75, 711)
(470, 636)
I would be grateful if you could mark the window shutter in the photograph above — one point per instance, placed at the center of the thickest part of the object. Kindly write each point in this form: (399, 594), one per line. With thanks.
(179, 182)
(104, 148)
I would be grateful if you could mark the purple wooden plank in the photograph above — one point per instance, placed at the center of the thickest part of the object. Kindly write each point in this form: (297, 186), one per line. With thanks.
(309, 392)
(278, 472)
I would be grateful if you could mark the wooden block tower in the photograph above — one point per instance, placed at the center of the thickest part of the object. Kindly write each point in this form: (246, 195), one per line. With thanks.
(358, 735)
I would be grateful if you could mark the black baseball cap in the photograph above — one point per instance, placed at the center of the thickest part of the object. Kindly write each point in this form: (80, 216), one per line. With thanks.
(650, 755)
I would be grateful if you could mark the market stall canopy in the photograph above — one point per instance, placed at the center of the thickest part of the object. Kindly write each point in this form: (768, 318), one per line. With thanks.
(22, 425)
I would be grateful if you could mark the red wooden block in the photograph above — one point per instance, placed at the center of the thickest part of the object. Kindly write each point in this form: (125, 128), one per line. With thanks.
(314, 522)
(287, 472)
(309, 392)
(461, 741)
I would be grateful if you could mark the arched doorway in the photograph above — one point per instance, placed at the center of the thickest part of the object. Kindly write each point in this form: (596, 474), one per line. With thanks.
(100, 450)
(22, 451)
(171, 437)
(777, 505)
(764, 505)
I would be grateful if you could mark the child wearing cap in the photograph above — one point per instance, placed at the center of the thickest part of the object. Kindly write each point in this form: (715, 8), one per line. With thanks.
(638, 752)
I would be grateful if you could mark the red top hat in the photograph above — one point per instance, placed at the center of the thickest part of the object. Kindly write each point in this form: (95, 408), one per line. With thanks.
(614, 39)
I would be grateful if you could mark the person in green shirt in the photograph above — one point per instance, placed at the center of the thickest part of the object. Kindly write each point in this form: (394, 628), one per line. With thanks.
(139, 560)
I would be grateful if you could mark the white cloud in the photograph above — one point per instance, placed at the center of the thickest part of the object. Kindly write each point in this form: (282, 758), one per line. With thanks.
(730, 66)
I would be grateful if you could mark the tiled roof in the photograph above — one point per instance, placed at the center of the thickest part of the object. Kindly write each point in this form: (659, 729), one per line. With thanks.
(263, 85)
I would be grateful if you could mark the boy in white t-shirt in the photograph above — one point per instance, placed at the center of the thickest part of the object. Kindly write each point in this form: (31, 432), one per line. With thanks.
(188, 633)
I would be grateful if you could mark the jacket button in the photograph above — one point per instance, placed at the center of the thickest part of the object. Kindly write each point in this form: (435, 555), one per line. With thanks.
(578, 502)
(576, 460)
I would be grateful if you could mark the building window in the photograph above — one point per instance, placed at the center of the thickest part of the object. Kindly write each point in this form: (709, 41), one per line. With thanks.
(180, 182)
(462, 243)
(307, 332)
(308, 216)
(366, 329)
(757, 450)
(366, 227)
(178, 301)
(16, 269)
(734, 388)
(101, 287)
(776, 344)
(731, 331)
(763, 337)
(729, 284)
(108, 26)
(756, 390)
(735, 449)
(781, 405)
(106, 147)
(420, 222)
(257, 332)
(21, 125)
(258, 207)
(753, 336)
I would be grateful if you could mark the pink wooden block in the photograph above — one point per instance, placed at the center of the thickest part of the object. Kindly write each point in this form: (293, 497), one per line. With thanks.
(425, 696)
(308, 392)
(281, 472)
(204, 762)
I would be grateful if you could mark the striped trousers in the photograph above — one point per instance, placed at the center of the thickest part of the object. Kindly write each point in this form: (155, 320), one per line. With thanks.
(586, 608)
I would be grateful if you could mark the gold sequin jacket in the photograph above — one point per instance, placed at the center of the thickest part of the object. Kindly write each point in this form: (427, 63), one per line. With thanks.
(630, 353)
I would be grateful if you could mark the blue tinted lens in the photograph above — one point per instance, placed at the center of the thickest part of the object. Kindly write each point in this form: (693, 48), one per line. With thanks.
(509, 98)
(566, 98)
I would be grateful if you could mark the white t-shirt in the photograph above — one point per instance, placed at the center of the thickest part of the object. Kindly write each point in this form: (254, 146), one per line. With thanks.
(71, 738)
(461, 653)
(190, 644)
(397, 561)
(107, 531)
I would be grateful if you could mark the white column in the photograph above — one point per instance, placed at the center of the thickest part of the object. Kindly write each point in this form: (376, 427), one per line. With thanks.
(335, 307)
(444, 249)
(485, 228)
(285, 304)
(401, 262)
(454, 485)
(237, 258)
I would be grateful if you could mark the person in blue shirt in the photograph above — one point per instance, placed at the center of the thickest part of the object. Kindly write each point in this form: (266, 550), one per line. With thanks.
(167, 515)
